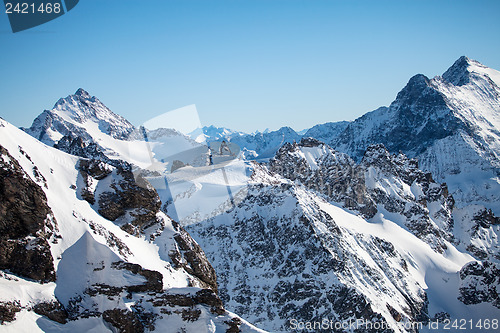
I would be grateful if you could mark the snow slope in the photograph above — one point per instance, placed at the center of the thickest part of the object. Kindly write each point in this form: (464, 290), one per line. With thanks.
(101, 270)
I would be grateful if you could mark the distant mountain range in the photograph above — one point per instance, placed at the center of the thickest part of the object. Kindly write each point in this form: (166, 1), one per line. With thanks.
(389, 221)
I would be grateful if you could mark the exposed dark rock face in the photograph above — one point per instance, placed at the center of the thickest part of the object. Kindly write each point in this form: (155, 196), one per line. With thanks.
(479, 283)
(415, 120)
(8, 311)
(23, 203)
(91, 170)
(482, 223)
(124, 321)
(132, 199)
(485, 219)
(379, 180)
(25, 223)
(28, 258)
(203, 296)
(191, 257)
(234, 325)
(52, 310)
(153, 279)
(210, 298)
(79, 147)
(458, 74)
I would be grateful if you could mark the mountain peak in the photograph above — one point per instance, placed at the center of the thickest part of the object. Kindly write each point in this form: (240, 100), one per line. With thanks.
(413, 88)
(459, 73)
(82, 93)
(419, 79)
(463, 60)
(73, 115)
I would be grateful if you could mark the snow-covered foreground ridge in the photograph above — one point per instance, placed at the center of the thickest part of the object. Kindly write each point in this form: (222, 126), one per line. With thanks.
(389, 221)
(67, 268)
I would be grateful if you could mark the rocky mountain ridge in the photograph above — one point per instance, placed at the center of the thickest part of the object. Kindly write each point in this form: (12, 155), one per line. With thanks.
(449, 123)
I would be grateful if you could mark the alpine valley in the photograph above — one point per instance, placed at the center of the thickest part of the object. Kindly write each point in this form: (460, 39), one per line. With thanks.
(388, 223)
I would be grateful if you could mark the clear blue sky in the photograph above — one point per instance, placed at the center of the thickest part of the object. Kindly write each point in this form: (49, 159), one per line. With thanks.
(247, 65)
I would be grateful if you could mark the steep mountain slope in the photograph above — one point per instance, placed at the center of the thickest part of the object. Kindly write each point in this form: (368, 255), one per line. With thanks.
(449, 123)
(391, 184)
(379, 184)
(84, 248)
(285, 255)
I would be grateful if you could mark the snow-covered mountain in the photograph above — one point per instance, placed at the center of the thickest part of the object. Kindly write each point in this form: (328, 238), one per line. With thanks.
(393, 222)
(70, 115)
(212, 133)
(84, 248)
(449, 123)
(263, 145)
(88, 120)
(318, 236)
(258, 145)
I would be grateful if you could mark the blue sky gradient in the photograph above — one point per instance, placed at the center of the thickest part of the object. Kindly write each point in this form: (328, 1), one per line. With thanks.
(247, 65)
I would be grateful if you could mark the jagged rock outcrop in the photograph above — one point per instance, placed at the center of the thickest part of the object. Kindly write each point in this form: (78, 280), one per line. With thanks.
(52, 310)
(125, 321)
(189, 256)
(8, 311)
(477, 230)
(131, 202)
(479, 283)
(380, 182)
(480, 233)
(26, 223)
(77, 146)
